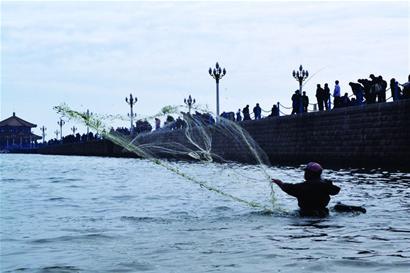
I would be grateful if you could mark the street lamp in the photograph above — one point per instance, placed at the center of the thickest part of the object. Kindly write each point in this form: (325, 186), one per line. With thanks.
(43, 131)
(189, 102)
(88, 114)
(74, 129)
(61, 124)
(300, 75)
(217, 73)
(131, 101)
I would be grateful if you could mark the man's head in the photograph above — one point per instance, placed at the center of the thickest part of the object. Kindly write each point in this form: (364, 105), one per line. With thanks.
(313, 171)
(336, 82)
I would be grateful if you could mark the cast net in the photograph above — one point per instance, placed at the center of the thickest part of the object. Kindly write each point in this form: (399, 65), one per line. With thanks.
(212, 147)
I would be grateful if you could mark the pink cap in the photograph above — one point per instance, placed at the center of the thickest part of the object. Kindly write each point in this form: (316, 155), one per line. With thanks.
(314, 167)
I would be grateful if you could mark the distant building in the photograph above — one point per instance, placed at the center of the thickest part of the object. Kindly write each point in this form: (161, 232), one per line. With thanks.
(15, 133)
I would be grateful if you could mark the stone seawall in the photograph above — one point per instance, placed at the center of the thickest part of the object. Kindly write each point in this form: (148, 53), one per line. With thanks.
(373, 136)
(91, 148)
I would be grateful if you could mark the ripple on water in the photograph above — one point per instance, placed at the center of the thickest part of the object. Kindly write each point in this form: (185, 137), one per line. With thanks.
(145, 219)
(134, 266)
(123, 197)
(68, 238)
(129, 220)
(308, 236)
(368, 265)
(392, 229)
(59, 269)
(12, 180)
(61, 199)
(48, 269)
(224, 265)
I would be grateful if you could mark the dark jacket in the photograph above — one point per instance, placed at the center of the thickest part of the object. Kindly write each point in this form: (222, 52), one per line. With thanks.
(312, 195)
(326, 93)
(245, 112)
(320, 94)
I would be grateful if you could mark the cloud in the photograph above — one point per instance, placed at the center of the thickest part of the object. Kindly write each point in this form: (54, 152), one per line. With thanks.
(161, 51)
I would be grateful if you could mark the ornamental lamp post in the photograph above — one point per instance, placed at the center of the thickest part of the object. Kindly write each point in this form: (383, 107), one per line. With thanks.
(88, 114)
(74, 129)
(217, 73)
(189, 102)
(131, 101)
(43, 132)
(300, 75)
(61, 124)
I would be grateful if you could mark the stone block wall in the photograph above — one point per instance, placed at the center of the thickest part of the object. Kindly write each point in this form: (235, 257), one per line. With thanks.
(376, 136)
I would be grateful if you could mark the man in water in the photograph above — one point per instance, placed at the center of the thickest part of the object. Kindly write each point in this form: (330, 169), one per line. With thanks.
(314, 194)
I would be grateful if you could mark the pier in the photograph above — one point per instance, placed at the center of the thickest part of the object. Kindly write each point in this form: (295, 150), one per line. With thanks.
(374, 136)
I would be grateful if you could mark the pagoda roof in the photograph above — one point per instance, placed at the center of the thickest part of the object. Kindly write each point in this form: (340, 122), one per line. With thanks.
(34, 136)
(15, 121)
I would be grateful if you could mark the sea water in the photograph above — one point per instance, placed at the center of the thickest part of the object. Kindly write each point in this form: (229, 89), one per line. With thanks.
(94, 214)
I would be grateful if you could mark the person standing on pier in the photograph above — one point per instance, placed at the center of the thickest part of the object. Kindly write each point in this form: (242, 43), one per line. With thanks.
(238, 116)
(157, 124)
(367, 90)
(320, 96)
(395, 89)
(257, 110)
(406, 89)
(274, 111)
(326, 94)
(379, 87)
(245, 112)
(296, 102)
(336, 95)
(345, 101)
(375, 88)
(305, 102)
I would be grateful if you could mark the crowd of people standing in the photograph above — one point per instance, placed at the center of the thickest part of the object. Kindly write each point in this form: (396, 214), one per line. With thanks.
(365, 91)
(245, 114)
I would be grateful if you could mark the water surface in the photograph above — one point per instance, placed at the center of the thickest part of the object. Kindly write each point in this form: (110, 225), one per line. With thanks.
(90, 214)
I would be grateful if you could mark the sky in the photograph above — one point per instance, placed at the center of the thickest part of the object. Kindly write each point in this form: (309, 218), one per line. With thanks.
(91, 55)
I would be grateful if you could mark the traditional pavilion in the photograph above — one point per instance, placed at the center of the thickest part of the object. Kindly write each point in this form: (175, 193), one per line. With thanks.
(15, 133)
